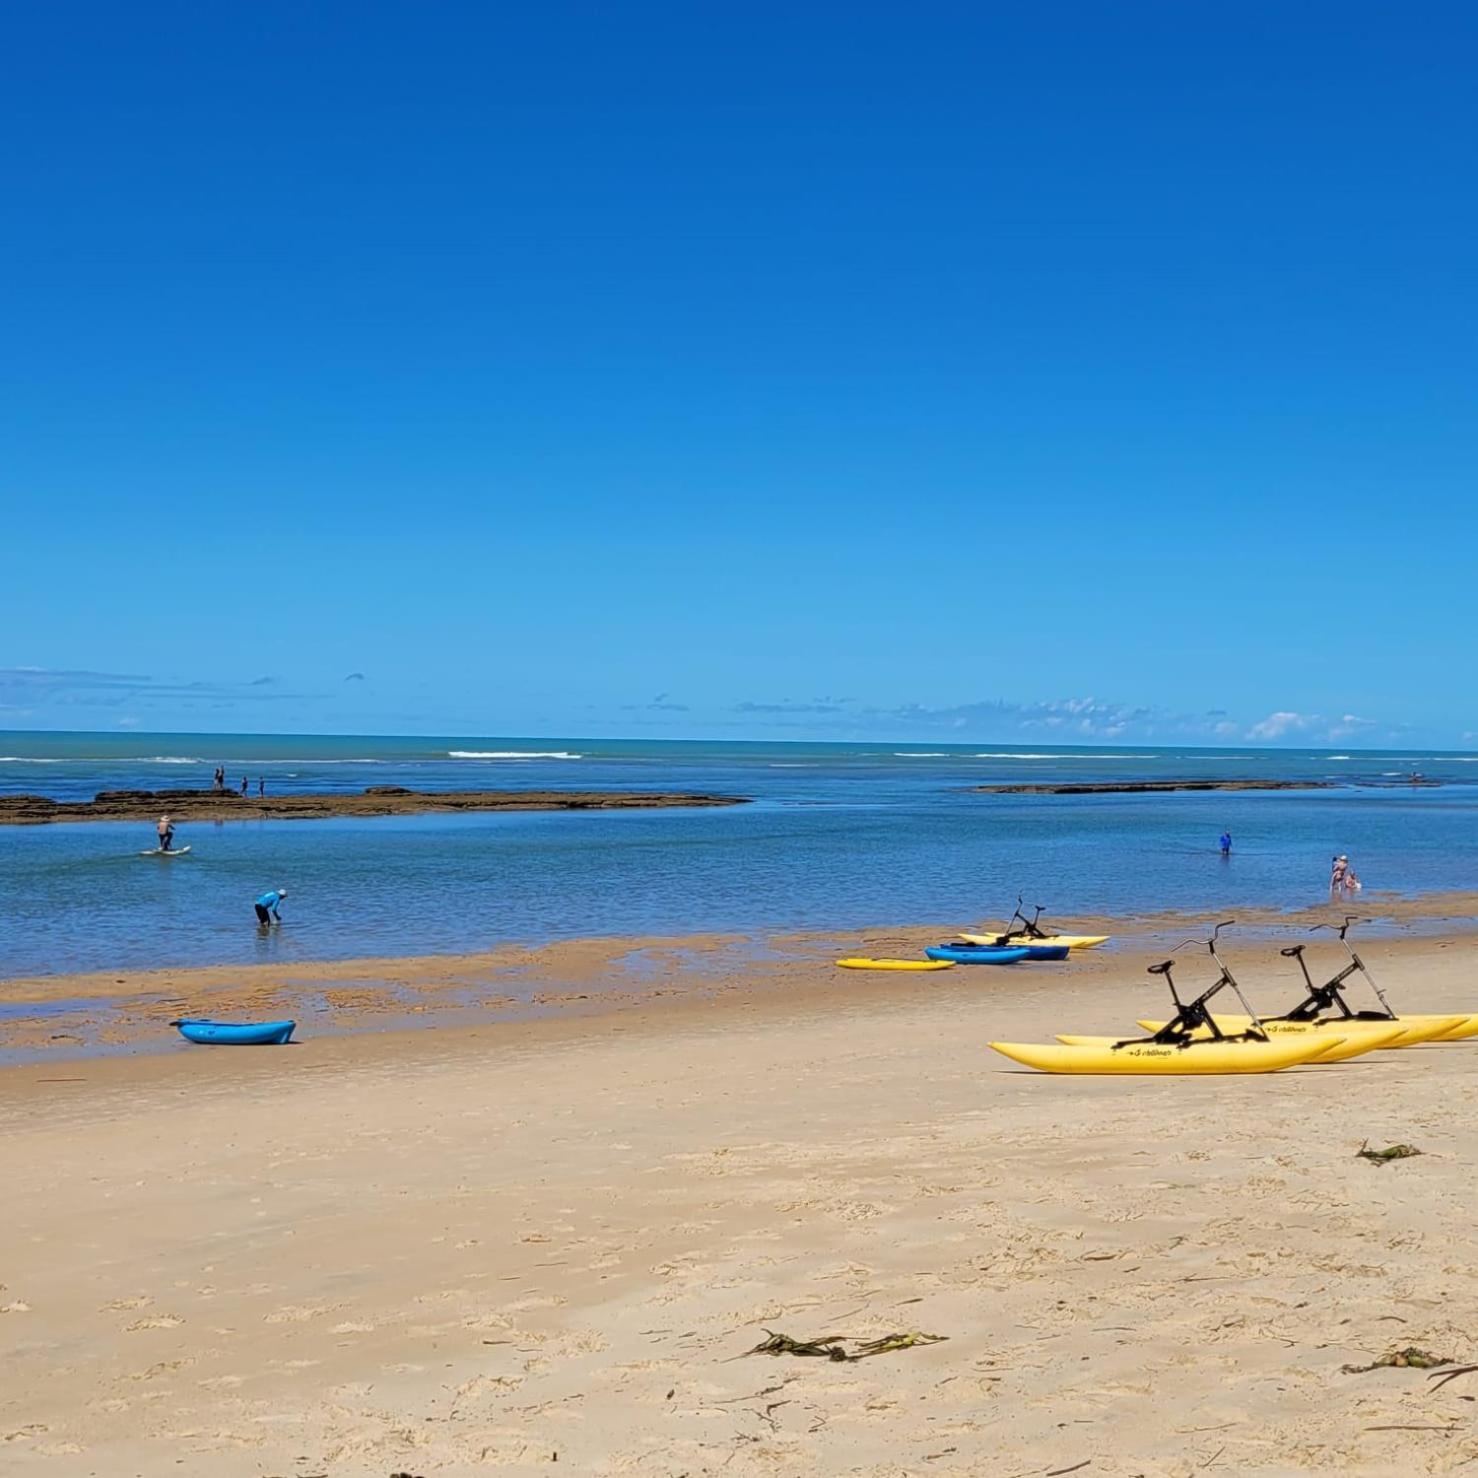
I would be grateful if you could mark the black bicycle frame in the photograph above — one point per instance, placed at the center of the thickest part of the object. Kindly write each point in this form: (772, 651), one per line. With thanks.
(1330, 995)
(1029, 928)
(1192, 1016)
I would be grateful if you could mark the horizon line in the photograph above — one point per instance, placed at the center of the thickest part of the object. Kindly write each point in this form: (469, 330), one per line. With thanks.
(932, 742)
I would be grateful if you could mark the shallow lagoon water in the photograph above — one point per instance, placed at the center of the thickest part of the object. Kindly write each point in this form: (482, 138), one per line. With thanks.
(838, 837)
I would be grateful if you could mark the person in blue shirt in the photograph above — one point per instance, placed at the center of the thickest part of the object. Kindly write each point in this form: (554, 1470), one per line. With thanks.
(266, 906)
(1226, 844)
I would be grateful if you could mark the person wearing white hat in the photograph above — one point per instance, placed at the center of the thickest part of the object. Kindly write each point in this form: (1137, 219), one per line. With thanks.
(266, 906)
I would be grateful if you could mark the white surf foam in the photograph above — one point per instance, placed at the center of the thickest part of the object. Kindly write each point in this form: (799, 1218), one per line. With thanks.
(146, 759)
(1087, 758)
(512, 754)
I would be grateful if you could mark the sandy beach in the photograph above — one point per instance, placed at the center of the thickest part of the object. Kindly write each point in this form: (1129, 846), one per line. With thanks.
(549, 1241)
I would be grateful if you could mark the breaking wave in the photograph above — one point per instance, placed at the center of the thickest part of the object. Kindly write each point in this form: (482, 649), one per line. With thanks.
(512, 754)
(82, 759)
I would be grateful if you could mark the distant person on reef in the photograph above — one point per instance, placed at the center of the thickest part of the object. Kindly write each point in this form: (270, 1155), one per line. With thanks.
(267, 906)
(165, 828)
(220, 777)
(1226, 844)
(243, 785)
(262, 786)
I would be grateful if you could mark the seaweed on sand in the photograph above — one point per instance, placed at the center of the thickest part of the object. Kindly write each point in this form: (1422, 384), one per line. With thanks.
(834, 1346)
(1391, 1152)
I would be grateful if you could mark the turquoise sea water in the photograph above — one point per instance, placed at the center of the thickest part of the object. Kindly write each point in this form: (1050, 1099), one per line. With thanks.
(839, 835)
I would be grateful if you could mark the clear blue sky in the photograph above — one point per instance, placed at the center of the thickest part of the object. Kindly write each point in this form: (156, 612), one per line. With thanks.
(820, 370)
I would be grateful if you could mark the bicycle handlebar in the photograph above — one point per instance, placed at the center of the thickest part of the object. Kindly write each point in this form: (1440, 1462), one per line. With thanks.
(1209, 943)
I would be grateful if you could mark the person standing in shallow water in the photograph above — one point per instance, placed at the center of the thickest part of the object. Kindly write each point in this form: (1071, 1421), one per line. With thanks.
(1226, 844)
(267, 906)
(262, 786)
(243, 785)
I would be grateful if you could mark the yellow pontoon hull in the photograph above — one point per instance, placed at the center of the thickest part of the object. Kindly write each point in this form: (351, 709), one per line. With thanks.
(1414, 1029)
(1059, 941)
(1354, 1045)
(1148, 1058)
(861, 964)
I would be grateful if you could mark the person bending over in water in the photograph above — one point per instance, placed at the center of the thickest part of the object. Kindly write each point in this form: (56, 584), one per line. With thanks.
(266, 906)
(165, 829)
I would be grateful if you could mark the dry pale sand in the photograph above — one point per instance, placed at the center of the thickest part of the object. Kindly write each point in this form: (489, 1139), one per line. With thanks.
(547, 1245)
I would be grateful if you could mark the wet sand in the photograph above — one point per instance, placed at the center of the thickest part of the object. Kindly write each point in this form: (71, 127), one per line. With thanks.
(549, 1241)
(58, 1017)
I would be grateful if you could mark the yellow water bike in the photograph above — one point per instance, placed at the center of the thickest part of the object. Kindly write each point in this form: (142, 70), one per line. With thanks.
(1325, 1009)
(1193, 1040)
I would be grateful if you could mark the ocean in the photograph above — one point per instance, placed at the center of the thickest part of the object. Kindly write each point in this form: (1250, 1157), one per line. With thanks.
(838, 836)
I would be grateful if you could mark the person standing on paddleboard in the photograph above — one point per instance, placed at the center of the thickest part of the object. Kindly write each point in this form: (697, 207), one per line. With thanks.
(266, 906)
(165, 829)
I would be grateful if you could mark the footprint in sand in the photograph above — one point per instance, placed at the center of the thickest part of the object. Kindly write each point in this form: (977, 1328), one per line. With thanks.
(117, 1305)
(296, 1314)
(156, 1321)
(162, 1367)
(486, 1321)
(547, 1301)
(16, 1307)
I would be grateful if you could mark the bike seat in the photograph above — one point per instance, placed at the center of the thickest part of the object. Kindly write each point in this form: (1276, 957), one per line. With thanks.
(1163, 968)
(1292, 951)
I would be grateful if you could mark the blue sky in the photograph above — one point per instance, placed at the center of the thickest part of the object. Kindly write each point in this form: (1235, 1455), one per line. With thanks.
(1074, 370)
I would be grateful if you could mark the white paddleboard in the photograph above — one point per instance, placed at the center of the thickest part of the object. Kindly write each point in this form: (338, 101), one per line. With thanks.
(160, 852)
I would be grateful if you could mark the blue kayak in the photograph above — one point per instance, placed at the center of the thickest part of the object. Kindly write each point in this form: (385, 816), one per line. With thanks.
(237, 1034)
(975, 954)
(1033, 951)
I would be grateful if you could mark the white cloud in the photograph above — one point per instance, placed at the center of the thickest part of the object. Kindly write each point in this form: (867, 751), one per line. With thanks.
(1285, 721)
(1070, 718)
(1351, 724)
(83, 688)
